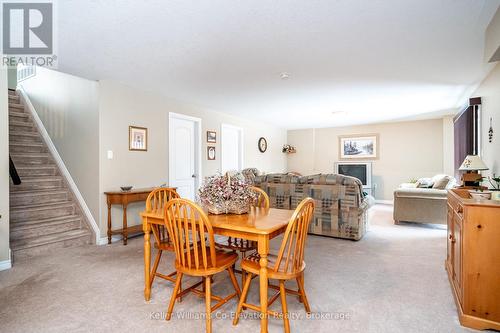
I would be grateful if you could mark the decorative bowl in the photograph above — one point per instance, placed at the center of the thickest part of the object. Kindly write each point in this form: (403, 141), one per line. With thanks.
(126, 188)
(480, 195)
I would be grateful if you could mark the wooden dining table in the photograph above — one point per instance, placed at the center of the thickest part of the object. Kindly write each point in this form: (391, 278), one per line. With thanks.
(260, 225)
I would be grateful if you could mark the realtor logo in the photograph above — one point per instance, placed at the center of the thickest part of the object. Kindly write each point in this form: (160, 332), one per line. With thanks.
(27, 28)
(28, 33)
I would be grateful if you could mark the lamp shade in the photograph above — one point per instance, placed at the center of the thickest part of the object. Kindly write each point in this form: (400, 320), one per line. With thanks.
(473, 163)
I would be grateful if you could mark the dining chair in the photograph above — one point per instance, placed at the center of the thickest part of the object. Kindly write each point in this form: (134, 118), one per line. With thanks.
(243, 245)
(239, 244)
(155, 203)
(287, 265)
(196, 255)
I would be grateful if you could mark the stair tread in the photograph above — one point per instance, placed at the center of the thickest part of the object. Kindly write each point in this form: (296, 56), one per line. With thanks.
(47, 239)
(18, 114)
(30, 154)
(25, 133)
(42, 222)
(39, 178)
(44, 206)
(31, 166)
(27, 167)
(45, 166)
(20, 123)
(38, 192)
(26, 143)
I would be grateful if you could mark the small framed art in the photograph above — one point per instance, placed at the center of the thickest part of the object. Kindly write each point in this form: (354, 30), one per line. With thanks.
(137, 138)
(211, 136)
(211, 153)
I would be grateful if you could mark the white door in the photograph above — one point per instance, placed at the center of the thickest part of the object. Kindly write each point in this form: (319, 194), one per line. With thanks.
(231, 148)
(184, 154)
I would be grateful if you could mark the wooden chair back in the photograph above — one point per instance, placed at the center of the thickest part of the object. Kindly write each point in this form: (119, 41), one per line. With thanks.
(291, 253)
(262, 200)
(155, 203)
(187, 225)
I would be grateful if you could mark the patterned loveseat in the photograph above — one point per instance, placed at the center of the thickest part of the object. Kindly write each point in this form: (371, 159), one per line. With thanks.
(341, 208)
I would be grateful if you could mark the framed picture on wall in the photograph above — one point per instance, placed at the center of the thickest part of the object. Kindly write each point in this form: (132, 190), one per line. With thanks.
(211, 153)
(358, 147)
(211, 137)
(137, 138)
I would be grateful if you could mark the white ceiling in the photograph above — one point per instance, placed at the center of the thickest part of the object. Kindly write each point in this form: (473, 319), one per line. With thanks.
(374, 60)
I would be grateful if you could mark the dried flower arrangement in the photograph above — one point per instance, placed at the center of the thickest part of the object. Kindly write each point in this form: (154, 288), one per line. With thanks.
(225, 194)
(288, 149)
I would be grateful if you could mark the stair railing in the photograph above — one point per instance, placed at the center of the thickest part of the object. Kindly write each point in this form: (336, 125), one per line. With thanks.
(13, 172)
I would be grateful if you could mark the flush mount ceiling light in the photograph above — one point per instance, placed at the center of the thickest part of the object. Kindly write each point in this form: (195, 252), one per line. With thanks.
(338, 112)
(284, 75)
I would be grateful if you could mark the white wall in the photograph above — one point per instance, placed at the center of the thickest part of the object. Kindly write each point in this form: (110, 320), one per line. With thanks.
(489, 91)
(492, 39)
(121, 106)
(4, 171)
(68, 108)
(408, 150)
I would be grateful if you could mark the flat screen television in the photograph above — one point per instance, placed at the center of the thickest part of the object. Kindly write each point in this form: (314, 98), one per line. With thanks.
(360, 170)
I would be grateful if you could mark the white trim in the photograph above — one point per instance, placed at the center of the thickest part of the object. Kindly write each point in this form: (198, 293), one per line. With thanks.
(384, 202)
(198, 162)
(6, 264)
(241, 152)
(104, 240)
(60, 162)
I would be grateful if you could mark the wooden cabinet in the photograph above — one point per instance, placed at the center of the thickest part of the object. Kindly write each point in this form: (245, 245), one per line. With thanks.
(473, 259)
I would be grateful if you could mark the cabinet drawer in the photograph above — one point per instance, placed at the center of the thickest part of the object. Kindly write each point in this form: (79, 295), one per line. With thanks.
(453, 202)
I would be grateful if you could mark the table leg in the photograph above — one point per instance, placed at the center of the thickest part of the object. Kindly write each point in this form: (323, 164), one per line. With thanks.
(124, 230)
(147, 259)
(109, 223)
(263, 249)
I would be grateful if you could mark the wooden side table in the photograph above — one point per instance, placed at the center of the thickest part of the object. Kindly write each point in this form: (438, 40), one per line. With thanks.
(124, 198)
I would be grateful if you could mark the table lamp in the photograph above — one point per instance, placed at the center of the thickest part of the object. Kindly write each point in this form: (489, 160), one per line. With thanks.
(472, 164)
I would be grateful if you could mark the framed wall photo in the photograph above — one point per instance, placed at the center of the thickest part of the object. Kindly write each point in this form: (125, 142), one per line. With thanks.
(137, 138)
(211, 136)
(211, 153)
(358, 147)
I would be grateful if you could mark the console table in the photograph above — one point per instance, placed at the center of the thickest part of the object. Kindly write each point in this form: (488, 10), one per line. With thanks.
(124, 198)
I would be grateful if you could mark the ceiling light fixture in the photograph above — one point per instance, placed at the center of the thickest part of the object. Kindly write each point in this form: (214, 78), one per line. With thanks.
(338, 112)
(284, 75)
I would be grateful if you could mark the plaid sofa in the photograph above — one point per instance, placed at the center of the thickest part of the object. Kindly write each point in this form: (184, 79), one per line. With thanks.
(341, 209)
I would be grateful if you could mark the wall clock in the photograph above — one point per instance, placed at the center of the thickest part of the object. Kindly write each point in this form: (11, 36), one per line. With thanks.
(262, 145)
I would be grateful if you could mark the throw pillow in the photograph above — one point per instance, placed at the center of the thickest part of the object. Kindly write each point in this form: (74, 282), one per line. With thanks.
(441, 182)
(425, 182)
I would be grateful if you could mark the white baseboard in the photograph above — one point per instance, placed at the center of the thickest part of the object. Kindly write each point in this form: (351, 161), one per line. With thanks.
(384, 202)
(60, 162)
(6, 264)
(104, 240)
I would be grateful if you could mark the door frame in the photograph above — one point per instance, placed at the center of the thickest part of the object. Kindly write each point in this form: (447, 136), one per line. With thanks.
(198, 145)
(241, 152)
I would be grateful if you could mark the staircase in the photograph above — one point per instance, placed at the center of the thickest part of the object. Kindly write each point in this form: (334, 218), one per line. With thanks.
(43, 212)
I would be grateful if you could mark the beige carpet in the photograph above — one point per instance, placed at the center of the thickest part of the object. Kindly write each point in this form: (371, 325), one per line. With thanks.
(393, 280)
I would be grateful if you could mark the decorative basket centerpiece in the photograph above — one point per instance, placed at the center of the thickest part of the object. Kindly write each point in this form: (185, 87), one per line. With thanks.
(226, 194)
